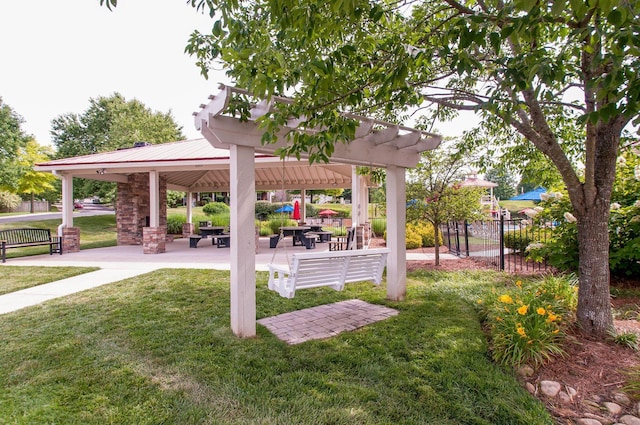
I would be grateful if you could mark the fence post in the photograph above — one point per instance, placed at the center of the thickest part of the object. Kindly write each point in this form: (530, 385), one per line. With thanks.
(457, 239)
(501, 238)
(466, 237)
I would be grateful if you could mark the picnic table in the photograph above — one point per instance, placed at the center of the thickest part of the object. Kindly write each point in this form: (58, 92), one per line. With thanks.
(206, 231)
(295, 232)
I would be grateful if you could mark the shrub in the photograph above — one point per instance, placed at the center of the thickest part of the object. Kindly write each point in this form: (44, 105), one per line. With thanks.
(174, 223)
(425, 230)
(8, 201)
(215, 208)
(264, 209)
(221, 220)
(174, 198)
(276, 222)
(517, 240)
(378, 226)
(413, 239)
(526, 322)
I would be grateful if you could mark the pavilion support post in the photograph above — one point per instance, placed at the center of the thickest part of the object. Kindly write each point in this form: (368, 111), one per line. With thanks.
(154, 237)
(70, 235)
(67, 200)
(243, 260)
(396, 218)
(303, 205)
(187, 228)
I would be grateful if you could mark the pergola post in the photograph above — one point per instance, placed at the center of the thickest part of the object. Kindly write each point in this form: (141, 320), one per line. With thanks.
(396, 218)
(243, 263)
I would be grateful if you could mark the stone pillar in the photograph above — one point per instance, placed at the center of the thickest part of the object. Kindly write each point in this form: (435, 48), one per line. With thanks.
(133, 212)
(154, 240)
(70, 239)
(187, 229)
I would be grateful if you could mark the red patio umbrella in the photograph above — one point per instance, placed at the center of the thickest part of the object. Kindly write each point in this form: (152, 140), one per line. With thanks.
(327, 212)
(296, 211)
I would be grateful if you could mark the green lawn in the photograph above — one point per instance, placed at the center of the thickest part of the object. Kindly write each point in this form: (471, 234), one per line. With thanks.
(158, 349)
(515, 206)
(16, 278)
(95, 232)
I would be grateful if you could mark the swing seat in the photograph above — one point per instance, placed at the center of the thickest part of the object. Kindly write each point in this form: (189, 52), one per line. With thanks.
(332, 269)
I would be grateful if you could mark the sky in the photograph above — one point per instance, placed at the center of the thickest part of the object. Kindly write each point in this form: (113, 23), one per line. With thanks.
(57, 55)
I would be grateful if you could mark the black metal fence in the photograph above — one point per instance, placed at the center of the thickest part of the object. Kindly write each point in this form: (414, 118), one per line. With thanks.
(500, 243)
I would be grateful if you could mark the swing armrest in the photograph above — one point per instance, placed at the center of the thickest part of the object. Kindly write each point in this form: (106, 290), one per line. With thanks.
(278, 276)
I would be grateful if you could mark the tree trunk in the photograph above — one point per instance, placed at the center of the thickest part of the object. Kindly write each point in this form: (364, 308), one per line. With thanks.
(436, 234)
(594, 301)
(33, 196)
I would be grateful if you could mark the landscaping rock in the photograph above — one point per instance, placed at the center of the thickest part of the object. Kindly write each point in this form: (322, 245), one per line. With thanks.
(629, 420)
(550, 388)
(588, 421)
(530, 387)
(613, 408)
(621, 398)
(525, 371)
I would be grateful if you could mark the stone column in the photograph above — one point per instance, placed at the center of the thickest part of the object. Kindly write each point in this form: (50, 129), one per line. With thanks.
(187, 229)
(154, 240)
(70, 239)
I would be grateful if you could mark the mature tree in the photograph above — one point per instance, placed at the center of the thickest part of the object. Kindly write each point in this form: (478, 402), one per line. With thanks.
(108, 124)
(560, 76)
(12, 138)
(111, 123)
(32, 182)
(506, 184)
(436, 196)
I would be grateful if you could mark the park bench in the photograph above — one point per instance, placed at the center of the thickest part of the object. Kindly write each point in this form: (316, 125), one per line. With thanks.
(333, 269)
(19, 238)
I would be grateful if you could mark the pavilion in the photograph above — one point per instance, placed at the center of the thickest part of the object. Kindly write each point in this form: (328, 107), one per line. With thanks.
(232, 158)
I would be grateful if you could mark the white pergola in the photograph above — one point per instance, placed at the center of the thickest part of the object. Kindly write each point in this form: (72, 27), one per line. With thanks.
(376, 144)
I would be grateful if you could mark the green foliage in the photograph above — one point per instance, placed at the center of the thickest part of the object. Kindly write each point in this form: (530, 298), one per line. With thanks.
(174, 223)
(175, 198)
(265, 208)
(12, 139)
(275, 223)
(8, 201)
(627, 339)
(379, 226)
(111, 123)
(506, 183)
(526, 322)
(34, 182)
(215, 208)
(561, 248)
(426, 232)
(413, 239)
(517, 240)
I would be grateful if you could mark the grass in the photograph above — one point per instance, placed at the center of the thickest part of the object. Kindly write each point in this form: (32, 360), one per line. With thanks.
(95, 232)
(16, 278)
(515, 206)
(158, 349)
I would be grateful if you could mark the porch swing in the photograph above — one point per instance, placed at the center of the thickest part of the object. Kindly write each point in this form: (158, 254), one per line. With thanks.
(333, 269)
